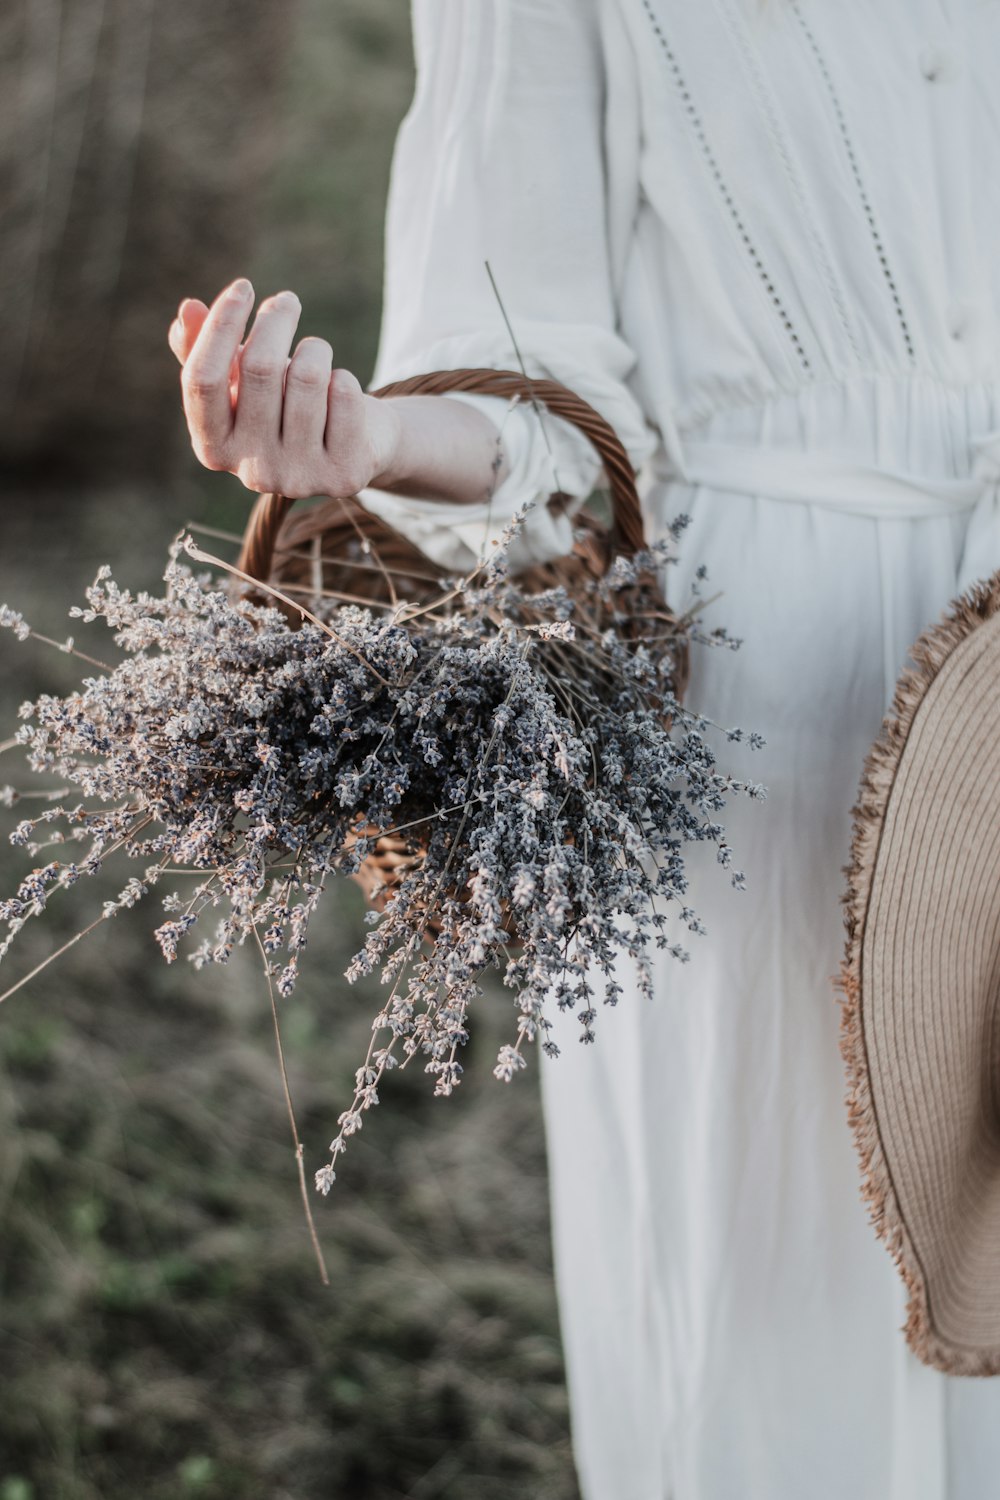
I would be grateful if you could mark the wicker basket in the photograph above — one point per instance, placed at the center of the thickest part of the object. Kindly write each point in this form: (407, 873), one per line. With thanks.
(338, 547)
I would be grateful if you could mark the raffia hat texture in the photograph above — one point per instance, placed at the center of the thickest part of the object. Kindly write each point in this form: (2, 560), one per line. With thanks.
(920, 985)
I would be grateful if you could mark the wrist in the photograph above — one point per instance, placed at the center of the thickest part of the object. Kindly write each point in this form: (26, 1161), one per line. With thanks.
(431, 448)
(385, 425)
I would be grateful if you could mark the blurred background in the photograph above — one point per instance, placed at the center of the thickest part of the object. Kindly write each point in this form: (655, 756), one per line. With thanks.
(163, 1331)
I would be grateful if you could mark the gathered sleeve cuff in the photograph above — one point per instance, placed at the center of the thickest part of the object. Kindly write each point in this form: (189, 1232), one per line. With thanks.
(458, 535)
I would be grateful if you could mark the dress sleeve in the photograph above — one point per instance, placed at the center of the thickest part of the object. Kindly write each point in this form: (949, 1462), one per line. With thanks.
(502, 157)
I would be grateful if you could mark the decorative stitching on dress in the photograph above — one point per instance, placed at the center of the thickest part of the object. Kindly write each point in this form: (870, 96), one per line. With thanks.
(699, 129)
(764, 95)
(858, 182)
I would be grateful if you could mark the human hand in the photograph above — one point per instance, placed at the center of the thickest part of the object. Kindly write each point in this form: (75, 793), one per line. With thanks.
(290, 425)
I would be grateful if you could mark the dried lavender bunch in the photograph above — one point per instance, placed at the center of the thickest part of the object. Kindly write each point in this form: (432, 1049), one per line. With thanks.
(529, 750)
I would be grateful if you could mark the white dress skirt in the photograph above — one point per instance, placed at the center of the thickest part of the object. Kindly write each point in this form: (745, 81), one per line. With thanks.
(763, 237)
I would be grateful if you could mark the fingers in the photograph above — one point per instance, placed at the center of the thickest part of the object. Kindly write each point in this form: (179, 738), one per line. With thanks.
(295, 425)
(306, 382)
(262, 370)
(205, 377)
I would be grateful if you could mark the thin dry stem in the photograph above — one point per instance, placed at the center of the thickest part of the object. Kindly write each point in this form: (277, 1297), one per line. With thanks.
(314, 1237)
(91, 661)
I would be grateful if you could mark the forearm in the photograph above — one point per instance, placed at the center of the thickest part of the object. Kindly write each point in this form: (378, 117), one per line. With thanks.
(439, 449)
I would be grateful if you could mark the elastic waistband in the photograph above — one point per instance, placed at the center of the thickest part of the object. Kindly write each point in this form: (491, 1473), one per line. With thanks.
(835, 480)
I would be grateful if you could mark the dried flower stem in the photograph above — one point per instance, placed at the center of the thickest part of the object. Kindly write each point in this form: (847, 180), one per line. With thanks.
(51, 959)
(307, 1208)
(68, 650)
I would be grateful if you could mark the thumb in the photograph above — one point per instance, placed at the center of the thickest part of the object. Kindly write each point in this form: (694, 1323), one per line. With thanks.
(184, 331)
(186, 327)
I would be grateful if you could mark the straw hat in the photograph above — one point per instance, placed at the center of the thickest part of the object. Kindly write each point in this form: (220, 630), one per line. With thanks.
(920, 985)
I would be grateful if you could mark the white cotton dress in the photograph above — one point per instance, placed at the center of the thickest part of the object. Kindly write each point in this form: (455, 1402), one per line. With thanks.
(763, 237)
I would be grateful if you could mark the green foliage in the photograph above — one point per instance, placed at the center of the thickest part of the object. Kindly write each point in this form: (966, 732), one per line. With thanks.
(15, 1488)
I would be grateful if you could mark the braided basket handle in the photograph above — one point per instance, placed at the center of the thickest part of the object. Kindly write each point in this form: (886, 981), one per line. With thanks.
(627, 535)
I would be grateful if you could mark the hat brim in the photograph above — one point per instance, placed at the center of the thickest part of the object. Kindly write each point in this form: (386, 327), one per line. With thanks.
(920, 985)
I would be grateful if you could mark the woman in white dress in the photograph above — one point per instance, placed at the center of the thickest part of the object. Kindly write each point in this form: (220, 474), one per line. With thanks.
(763, 239)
